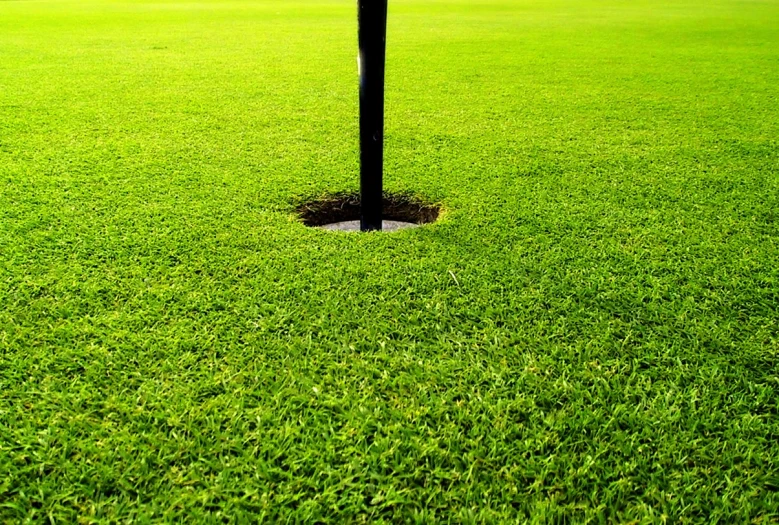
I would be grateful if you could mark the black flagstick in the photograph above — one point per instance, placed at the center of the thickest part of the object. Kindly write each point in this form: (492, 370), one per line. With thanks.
(372, 36)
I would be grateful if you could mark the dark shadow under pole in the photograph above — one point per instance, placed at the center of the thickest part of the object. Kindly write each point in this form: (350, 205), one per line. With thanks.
(372, 35)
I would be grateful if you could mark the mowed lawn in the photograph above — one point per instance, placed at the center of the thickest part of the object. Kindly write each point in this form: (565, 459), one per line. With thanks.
(589, 332)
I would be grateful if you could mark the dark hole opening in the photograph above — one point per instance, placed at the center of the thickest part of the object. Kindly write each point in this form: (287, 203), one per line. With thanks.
(346, 207)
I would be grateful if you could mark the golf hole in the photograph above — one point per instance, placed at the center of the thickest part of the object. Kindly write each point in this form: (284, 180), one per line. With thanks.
(342, 212)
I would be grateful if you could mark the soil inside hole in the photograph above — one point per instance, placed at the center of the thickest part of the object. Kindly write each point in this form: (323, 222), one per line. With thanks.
(345, 208)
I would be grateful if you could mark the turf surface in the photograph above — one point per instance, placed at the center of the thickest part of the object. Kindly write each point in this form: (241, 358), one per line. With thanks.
(591, 331)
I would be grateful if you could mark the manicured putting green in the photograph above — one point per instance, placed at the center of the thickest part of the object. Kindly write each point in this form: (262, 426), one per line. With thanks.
(589, 331)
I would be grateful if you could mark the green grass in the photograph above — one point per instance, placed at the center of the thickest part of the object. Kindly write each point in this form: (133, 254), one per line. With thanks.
(591, 331)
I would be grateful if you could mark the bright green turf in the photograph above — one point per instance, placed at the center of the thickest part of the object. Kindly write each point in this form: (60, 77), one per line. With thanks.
(591, 331)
